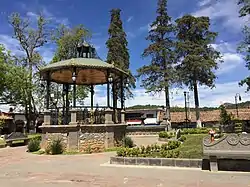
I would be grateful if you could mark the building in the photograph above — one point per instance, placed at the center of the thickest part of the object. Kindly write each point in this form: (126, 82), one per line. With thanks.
(144, 116)
(155, 117)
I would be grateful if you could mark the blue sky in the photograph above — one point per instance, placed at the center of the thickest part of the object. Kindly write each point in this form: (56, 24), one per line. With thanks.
(136, 16)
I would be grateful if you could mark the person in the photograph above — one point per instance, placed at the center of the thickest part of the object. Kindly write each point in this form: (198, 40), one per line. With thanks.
(212, 132)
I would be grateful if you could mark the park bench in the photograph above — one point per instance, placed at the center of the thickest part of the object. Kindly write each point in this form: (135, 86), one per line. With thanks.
(16, 136)
(231, 151)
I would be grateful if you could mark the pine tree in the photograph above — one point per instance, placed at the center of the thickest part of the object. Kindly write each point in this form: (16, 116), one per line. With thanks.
(118, 53)
(158, 75)
(198, 58)
(245, 44)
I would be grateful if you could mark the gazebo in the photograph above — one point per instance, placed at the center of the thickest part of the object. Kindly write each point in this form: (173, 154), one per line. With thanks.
(86, 70)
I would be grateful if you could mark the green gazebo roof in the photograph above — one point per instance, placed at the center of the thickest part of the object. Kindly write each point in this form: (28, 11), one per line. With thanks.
(89, 71)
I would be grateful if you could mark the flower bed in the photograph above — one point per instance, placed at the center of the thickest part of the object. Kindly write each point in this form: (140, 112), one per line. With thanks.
(168, 150)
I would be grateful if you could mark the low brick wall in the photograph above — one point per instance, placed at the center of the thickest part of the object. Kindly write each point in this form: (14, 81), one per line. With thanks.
(174, 162)
(145, 130)
(85, 138)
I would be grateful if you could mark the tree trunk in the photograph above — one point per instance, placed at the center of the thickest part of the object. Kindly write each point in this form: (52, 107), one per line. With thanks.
(167, 103)
(196, 101)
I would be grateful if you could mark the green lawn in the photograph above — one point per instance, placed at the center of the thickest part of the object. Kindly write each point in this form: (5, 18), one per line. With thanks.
(192, 146)
(2, 142)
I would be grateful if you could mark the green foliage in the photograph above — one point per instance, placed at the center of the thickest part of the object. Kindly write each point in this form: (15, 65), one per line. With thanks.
(168, 150)
(192, 147)
(34, 145)
(67, 40)
(165, 134)
(2, 123)
(244, 7)
(20, 70)
(198, 58)
(244, 46)
(195, 131)
(159, 74)
(55, 147)
(182, 138)
(35, 137)
(225, 118)
(118, 53)
(128, 142)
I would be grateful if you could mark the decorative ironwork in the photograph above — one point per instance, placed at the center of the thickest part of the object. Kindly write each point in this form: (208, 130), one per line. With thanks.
(244, 139)
(233, 139)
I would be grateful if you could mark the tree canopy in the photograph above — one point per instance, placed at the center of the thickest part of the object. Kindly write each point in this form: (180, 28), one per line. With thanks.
(198, 59)
(159, 74)
(244, 47)
(118, 53)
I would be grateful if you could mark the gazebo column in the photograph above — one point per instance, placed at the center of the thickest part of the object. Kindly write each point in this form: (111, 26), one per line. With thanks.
(92, 104)
(47, 117)
(67, 104)
(47, 94)
(122, 100)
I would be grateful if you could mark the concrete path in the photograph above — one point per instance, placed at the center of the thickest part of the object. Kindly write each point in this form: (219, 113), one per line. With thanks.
(19, 168)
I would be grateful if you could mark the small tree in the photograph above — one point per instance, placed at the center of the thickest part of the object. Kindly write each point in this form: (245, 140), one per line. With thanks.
(225, 118)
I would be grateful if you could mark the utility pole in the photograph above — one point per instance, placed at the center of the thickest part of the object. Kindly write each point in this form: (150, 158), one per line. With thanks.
(185, 96)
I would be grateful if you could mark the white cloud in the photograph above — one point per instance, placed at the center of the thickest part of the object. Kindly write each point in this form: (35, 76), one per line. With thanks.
(204, 2)
(231, 59)
(130, 19)
(226, 10)
(224, 92)
(11, 44)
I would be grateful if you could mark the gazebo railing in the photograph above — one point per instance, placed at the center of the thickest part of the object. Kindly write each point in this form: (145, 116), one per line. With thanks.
(84, 115)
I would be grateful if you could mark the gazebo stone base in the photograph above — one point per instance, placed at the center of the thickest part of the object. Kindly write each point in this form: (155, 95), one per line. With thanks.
(84, 138)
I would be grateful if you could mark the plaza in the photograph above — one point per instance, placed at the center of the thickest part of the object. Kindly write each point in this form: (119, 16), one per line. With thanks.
(19, 168)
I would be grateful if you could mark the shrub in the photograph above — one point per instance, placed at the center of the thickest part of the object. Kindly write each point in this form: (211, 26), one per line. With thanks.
(168, 150)
(182, 138)
(128, 142)
(35, 137)
(195, 131)
(164, 134)
(55, 147)
(34, 145)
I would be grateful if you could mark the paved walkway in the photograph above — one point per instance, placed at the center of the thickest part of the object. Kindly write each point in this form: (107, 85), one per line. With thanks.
(19, 168)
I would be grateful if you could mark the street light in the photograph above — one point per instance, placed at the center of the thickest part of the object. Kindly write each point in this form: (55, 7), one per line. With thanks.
(185, 96)
(236, 103)
(110, 79)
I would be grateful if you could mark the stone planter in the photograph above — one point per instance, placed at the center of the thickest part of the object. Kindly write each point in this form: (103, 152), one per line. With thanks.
(172, 162)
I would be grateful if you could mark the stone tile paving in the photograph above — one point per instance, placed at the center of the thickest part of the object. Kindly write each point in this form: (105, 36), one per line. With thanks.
(19, 168)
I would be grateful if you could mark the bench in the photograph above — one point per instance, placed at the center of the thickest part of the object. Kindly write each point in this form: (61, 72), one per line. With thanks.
(16, 136)
(231, 146)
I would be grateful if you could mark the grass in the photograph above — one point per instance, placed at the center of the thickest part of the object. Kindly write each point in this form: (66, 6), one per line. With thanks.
(111, 149)
(2, 142)
(192, 146)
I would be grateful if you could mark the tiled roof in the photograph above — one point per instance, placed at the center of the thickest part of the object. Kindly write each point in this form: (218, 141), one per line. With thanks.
(209, 116)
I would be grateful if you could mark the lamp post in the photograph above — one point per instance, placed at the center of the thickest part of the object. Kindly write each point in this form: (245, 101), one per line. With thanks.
(185, 96)
(126, 86)
(236, 103)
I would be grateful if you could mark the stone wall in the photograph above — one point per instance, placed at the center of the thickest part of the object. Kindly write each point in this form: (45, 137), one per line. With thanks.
(85, 138)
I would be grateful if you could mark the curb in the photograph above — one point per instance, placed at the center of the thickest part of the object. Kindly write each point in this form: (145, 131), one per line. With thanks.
(192, 163)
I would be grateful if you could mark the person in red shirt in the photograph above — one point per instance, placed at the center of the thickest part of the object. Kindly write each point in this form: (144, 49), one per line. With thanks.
(212, 132)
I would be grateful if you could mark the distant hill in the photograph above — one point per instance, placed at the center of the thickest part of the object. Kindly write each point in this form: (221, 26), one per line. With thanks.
(182, 109)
